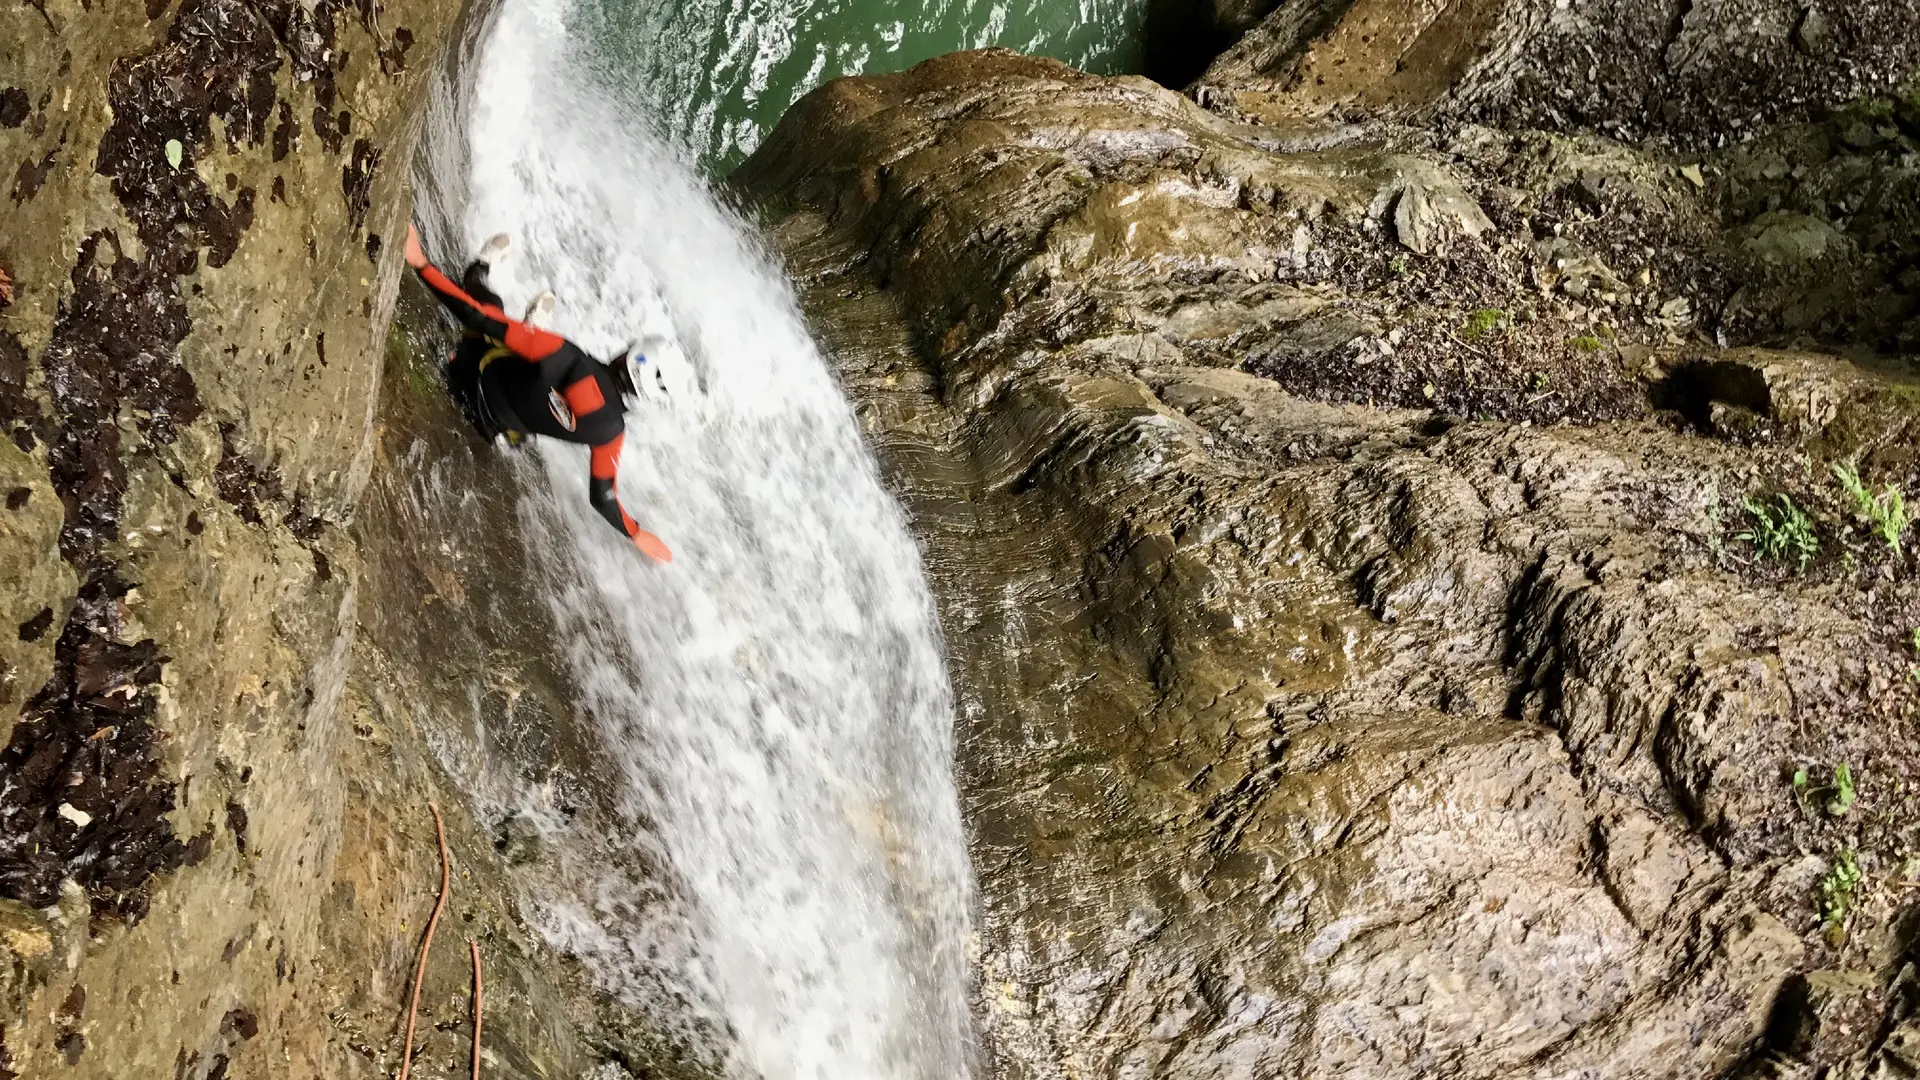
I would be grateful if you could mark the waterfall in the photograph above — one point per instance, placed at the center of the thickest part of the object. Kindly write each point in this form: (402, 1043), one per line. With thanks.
(772, 707)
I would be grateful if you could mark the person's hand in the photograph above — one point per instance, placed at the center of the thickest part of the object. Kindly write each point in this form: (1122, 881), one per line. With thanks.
(651, 544)
(416, 257)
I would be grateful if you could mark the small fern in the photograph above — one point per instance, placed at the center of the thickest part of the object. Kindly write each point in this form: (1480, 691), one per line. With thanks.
(1886, 510)
(1836, 899)
(1781, 531)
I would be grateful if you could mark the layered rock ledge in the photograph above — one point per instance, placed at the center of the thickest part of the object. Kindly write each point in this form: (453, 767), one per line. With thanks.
(1338, 523)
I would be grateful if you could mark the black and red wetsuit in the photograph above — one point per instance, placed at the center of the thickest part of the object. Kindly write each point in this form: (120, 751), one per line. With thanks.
(550, 364)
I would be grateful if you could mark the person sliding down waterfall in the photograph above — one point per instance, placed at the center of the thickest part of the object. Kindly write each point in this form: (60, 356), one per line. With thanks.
(515, 379)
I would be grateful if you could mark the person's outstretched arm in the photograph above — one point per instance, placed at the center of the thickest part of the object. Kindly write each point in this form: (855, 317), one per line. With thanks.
(528, 342)
(602, 490)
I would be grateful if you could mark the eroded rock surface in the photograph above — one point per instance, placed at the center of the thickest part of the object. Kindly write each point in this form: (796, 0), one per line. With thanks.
(1338, 532)
(1697, 72)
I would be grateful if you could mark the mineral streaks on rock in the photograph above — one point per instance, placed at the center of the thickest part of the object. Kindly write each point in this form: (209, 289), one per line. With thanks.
(1359, 670)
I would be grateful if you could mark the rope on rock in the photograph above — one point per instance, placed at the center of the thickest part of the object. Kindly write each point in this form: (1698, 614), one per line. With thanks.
(426, 944)
(475, 946)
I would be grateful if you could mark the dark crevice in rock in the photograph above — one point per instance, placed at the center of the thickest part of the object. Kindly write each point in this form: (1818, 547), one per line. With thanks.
(237, 824)
(240, 483)
(240, 1022)
(1180, 38)
(14, 107)
(1676, 26)
(1692, 389)
(36, 627)
(393, 58)
(284, 133)
(85, 798)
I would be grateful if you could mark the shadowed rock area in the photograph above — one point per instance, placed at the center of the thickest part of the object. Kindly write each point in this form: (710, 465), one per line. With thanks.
(1405, 615)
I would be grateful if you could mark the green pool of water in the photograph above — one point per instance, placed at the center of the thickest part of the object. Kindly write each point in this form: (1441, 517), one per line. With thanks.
(715, 75)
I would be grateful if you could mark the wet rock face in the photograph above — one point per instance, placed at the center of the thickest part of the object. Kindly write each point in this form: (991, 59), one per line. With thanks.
(1368, 660)
(207, 858)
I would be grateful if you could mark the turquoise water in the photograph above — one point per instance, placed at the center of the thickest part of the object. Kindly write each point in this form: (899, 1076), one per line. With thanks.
(715, 75)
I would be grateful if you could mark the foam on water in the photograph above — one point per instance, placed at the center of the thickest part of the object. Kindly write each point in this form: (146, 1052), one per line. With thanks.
(772, 706)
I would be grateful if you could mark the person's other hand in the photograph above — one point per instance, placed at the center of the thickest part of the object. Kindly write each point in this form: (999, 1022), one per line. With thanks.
(416, 258)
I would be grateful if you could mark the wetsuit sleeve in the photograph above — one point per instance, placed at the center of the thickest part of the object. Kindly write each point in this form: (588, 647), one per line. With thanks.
(601, 486)
(526, 342)
(480, 318)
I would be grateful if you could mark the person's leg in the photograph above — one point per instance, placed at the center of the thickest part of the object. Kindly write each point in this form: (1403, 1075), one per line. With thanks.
(474, 280)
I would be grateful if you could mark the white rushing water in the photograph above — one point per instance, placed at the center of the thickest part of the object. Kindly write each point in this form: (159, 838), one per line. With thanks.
(772, 706)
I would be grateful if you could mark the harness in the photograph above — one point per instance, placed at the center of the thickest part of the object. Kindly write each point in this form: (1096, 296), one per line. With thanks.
(556, 404)
(497, 351)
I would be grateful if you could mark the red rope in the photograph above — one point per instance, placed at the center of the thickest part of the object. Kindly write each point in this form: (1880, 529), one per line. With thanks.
(420, 973)
(477, 999)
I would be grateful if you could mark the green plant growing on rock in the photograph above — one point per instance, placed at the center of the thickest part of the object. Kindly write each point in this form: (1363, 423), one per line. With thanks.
(1587, 343)
(1482, 323)
(1836, 900)
(1886, 511)
(1841, 794)
(1781, 531)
